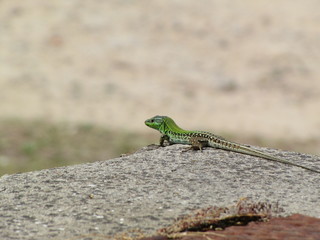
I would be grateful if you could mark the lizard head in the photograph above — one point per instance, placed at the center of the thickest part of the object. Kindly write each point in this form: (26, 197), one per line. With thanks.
(156, 122)
(163, 124)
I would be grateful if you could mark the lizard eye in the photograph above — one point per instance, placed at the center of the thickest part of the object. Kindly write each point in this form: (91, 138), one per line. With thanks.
(152, 120)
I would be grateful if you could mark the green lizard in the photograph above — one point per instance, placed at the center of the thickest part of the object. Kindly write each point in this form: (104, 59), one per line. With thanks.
(172, 133)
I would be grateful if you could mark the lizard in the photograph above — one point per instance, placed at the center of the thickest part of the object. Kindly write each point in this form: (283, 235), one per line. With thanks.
(173, 134)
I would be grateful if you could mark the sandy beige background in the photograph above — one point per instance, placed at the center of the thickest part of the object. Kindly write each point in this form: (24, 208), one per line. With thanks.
(244, 67)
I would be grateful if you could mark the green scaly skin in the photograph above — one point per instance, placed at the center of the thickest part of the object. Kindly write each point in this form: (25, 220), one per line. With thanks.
(173, 134)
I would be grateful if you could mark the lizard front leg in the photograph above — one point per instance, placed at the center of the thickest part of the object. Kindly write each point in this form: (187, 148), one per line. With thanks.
(164, 138)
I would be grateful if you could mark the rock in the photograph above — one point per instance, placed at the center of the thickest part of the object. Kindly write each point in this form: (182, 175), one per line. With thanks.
(148, 190)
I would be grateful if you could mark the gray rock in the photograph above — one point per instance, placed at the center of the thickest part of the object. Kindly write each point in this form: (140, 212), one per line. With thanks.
(148, 190)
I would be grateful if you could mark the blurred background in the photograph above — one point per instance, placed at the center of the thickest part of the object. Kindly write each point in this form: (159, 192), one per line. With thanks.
(78, 78)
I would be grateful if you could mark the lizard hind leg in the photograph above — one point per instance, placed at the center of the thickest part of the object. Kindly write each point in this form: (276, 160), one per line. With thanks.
(198, 143)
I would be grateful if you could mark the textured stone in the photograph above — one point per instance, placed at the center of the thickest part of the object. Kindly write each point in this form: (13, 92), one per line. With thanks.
(148, 190)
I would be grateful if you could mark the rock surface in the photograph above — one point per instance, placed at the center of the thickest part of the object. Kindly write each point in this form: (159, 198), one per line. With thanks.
(148, 190)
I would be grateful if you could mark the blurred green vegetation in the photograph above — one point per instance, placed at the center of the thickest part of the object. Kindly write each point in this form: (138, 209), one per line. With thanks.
(33, 145)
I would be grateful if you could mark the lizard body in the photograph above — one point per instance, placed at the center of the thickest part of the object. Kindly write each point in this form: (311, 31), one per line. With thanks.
(173, 134)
